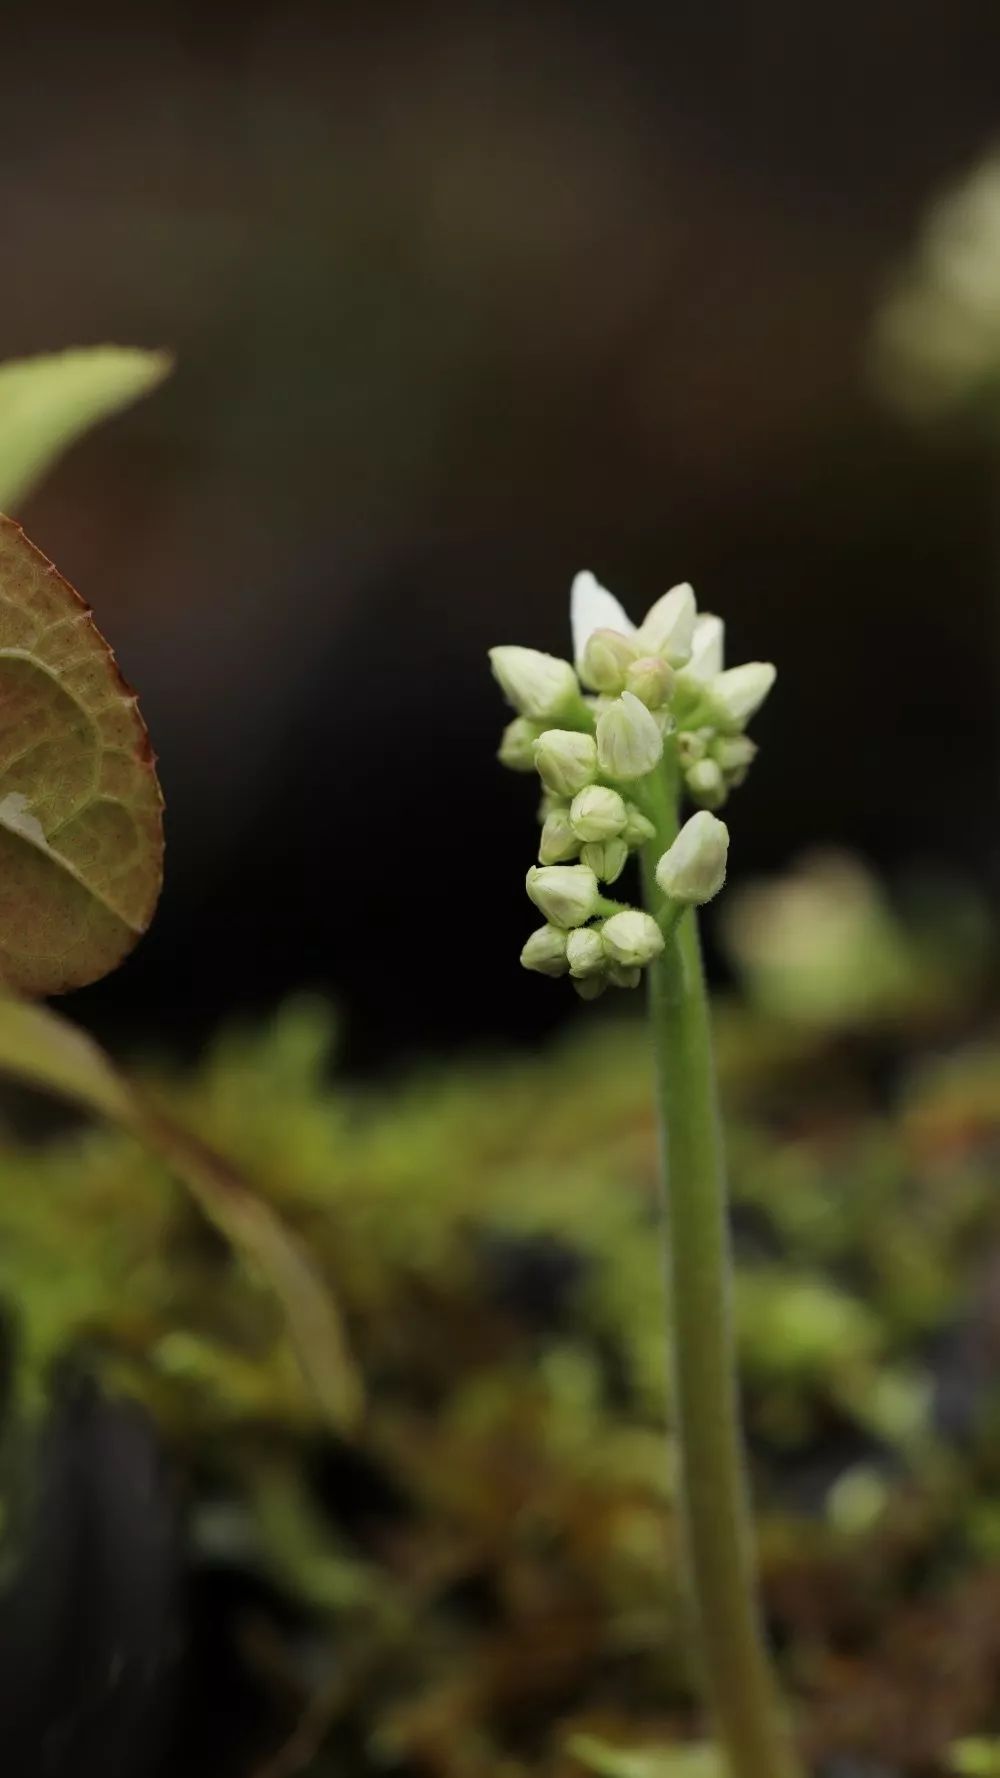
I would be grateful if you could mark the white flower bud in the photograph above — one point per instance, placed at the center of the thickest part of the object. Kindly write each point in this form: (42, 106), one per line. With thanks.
(606, 659)
(545, 951)
(734, 752)
(668, 626)
(652, 679)
(707, 647)
(638, 829)
(558, 842)
(734, 755)
(597, 813)
(566, 760)
(693, 869)
(632, 938)
(629, 743)
(567, 894)
(619, 977)
(692, 745)
(606, 858)
(740, 691)
(517, 745)
(706, 783)
(585, 952)
(538, 685)
(590, 987)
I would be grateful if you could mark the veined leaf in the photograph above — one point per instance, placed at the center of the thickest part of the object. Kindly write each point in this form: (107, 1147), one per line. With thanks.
(49, 401)
(81, 831)
(44, 1050)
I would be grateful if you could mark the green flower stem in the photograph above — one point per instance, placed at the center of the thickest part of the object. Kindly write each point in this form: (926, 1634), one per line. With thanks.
(714, 1495)
(606, 907)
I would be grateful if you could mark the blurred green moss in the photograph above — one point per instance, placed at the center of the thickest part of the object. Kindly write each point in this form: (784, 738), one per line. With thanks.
(500, 1576)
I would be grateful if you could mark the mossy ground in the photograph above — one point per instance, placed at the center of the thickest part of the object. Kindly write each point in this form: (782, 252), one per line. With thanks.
(489, 1568)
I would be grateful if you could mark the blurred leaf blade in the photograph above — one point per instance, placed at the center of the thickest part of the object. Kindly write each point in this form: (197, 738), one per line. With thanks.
(45, 1051)
(48, 402)
(697, 1761)
(253, 1228)
(81, 828)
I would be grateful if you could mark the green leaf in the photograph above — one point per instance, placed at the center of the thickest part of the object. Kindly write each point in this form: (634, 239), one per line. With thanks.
(44, 1050)
(81, 831)
(46, 403)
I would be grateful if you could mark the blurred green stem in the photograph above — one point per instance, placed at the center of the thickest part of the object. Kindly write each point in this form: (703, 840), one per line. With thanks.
(714, 1494)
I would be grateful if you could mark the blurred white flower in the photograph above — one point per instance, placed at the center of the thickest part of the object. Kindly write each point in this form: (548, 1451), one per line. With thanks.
(937, 335)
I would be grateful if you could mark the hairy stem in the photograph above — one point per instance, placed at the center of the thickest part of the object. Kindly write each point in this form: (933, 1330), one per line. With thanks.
(714, 1494)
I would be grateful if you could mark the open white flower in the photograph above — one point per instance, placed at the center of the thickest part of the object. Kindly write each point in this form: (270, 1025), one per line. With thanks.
(675, 631)
(669, 628)
(592, 607)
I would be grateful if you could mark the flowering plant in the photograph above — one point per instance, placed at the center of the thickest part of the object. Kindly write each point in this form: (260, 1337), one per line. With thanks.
(598, 735)
(644, 716)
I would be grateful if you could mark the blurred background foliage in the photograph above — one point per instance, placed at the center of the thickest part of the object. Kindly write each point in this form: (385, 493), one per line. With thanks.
(464, 298)
(482, 1579)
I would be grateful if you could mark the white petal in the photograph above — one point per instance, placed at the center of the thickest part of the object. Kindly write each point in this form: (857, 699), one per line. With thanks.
(707, 647)
(592, 607)
(538, 685)
(668, 626)
(740, 691)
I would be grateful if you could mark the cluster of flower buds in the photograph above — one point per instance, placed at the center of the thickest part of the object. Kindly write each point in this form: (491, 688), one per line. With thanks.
(609, 953)
(673, 662)
(599, 948)
(593, 732)
(670, 668)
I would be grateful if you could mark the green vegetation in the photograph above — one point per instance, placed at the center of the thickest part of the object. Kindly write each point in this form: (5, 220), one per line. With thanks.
(505, 1582)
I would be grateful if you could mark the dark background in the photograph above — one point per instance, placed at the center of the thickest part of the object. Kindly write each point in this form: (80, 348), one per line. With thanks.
(466, 297)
